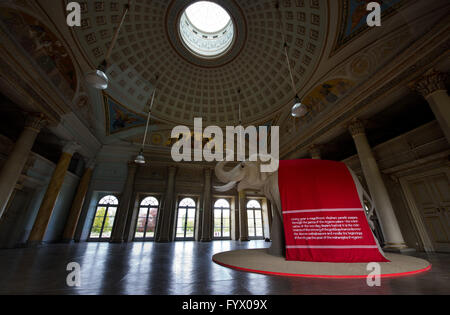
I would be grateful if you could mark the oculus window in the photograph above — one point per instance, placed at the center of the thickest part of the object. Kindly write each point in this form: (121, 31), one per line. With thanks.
(206, 29)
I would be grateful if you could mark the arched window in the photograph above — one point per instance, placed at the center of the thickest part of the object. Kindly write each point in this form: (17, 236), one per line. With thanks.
(255, 222)
(146, 221)
(222, 219)
(104, 218)
(186, 219)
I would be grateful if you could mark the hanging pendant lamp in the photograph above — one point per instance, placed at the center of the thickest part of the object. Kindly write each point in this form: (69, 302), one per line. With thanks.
(298, 109)
(98, 78)
(140, 158)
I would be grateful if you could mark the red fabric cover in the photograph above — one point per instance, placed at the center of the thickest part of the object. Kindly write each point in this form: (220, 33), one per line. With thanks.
(320, 204)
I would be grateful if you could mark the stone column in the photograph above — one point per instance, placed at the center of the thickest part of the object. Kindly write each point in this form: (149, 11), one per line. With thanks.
(118, 233)
(314, 151)
(235, 218)
(54, 187)
(207, 208)
(166, 214)
(78, 202)
(13, 167)
(432, 87)
(243, 219)
(391, 229)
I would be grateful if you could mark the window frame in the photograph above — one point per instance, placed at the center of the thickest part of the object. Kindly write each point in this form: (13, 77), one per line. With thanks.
(149, 207)
(221, 219)
(260, 209)
(107, 206)
(180, 199)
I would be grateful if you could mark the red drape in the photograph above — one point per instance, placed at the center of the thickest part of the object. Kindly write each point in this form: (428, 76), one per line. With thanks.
(324, 220)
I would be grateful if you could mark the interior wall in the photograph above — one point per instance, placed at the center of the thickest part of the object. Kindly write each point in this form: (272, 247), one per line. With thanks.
(107, 178)
(424, 147)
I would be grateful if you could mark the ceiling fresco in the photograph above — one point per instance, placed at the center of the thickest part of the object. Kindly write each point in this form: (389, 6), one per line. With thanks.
(44, 48)
(354, 16)
(186, 89)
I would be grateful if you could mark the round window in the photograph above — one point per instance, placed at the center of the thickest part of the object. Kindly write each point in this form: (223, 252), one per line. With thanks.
(207, 29)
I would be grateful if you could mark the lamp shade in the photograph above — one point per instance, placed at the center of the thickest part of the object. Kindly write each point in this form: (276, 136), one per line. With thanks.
(140, 159)
(299, 110)
(97, 79)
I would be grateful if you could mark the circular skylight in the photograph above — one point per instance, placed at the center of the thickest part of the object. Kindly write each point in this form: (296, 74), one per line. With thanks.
(208, 16)
(207, 29)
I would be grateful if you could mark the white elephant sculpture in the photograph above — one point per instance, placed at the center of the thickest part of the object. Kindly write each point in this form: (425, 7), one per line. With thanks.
(248, 176)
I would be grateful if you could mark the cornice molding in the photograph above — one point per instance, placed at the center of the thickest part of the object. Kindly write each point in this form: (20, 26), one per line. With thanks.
(432, 47)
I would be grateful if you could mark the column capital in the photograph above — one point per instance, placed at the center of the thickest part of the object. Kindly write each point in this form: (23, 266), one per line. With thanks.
(356, 127)
(35, 121)
(71, 147)
(430, 83)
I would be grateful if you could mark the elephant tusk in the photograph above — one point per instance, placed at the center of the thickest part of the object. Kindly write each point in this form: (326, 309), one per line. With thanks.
(226, 187)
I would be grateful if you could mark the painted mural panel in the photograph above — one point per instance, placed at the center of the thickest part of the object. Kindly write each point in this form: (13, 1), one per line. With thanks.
(44, 48)
(354, 17)
(120, 118)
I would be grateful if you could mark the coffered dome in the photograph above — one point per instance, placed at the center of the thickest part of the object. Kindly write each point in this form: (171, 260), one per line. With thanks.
(191, 85)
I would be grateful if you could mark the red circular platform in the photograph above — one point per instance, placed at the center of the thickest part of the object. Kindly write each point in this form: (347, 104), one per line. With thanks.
(259, 261)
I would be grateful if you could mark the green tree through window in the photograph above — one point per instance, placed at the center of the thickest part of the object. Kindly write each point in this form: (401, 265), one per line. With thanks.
(103, 222)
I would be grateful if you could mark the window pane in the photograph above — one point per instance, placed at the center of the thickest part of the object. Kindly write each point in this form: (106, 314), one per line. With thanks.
(150, 201)
(107, 232)
(251, 232)
(180, 232)
(109, 200)
(139, 235)
(258, 214)
(250, 214)
(140, 226)
(222, 203)
(226, 214)
(259, 232)
(253, 204)
(150, 232)
(109, 222)
(187, 202)
(191, 213)
(143, 212)
(181, 213)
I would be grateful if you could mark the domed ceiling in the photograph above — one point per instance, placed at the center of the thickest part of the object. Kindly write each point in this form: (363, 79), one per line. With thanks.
(149, 45)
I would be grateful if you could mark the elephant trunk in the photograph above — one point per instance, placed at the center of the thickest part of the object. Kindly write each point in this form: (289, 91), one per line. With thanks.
(221, 174)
